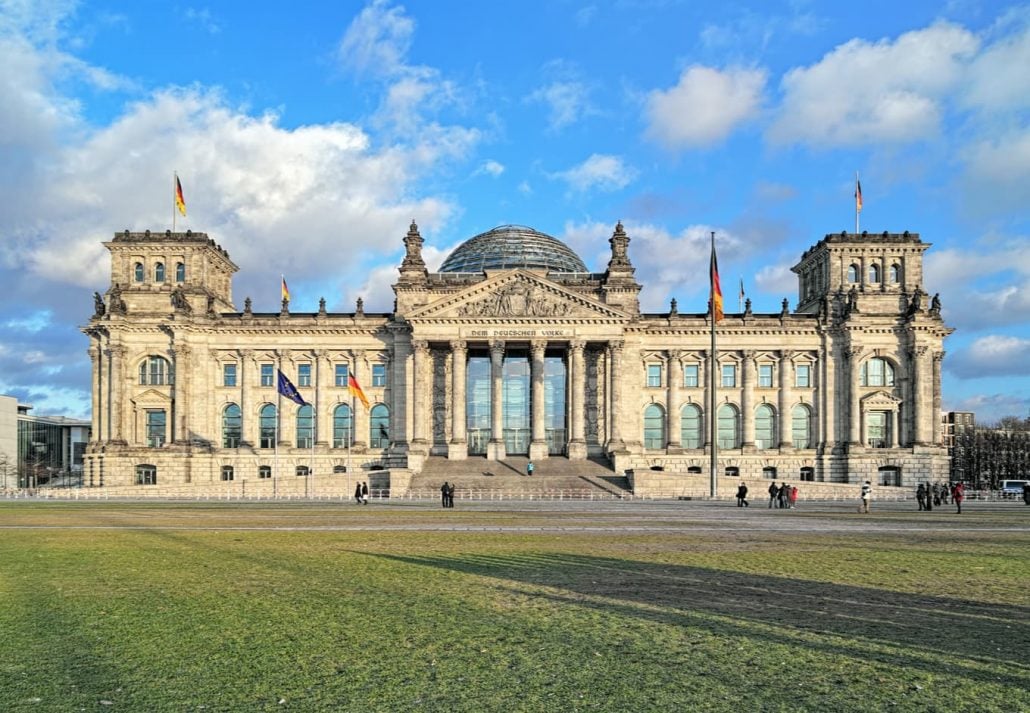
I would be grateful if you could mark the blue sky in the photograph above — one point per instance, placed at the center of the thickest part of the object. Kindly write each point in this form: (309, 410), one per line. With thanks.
(306, 140)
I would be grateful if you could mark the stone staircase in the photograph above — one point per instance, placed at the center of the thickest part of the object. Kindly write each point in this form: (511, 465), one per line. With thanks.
(552, 477)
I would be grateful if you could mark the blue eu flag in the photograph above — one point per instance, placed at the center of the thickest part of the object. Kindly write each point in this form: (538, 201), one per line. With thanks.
(287, 389)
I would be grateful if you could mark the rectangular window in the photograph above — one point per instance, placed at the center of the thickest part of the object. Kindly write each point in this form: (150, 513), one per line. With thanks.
(379, 375)
(341, 375)
(228, 375)
(227, 472)
(268, 374)
(877, 429)
(765, 372)
(264, 471)
(303, 375)
(803, 376)
(691, 376)
(729, 375)
(654, 375)
(156, 428)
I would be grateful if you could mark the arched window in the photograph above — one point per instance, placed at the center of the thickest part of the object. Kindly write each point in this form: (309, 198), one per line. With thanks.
(853, 274)
(379, 427)
(765, 426)
(268, 426)
(654, 427)
(877, 372)
(155, 371)
(228, 473)
(343, 427)
(690, 427)
(801, 426)
(146, 474)
(137, 272)
(895, 274)
(159, 272)
(180, 272)
(874, 274)
(232, 426)
(729, 426)
(305, 426)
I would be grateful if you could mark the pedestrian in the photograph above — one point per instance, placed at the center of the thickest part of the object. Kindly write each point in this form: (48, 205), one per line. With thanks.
(781, 495)
(793, 497)
(529, 468)
(928, 500)
(772, 494)
(921, 496)
(742, 496)
(937, 494)
(867, 495)
(450, 496)
(945, 488)
(445, 490)
(958, 494)
(357, 494)
(364, 493)
(1026, 492)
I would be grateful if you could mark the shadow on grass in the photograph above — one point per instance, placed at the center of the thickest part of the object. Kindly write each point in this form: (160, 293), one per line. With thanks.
(915, 629)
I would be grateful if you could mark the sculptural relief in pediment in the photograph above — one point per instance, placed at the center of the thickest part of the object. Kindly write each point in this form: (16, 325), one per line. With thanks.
(518, 299)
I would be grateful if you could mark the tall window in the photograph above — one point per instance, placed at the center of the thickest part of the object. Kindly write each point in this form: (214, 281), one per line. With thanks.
(137, 272)
(305, 426)
(690, 376)
(232, 426)
(227, 472)
(304, 375)
(156, 422)
(853, 274)
(155, 371)
(654, 427)
(690, 427)
(379, 426)
(341, 374)
(877, 372)
(803, 376)
(343, 427)
(159, 272)
(894, 274)
(268, 374)
(146, 474)
(267, 426)
(765, 426)
(877, 427)
(801, 426)
(654, 375)
(729, 375)
(874, 274)
(765, 375)
(729, 426)
(379, 375)
(228, 375)
(180, 272)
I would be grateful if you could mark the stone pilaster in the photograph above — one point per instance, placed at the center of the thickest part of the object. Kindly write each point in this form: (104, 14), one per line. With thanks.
(323, 419)
(577, 445)
(496, 449)
(747, 400)
(181, 402)
(538, 442)
(248, 405)
(615, 358)
(422, 387)
(674, 374)
(116, 394)
(854, 355)
(938, 358)
(784, 399)
(922, 383)
(97, 414)
(458, 448)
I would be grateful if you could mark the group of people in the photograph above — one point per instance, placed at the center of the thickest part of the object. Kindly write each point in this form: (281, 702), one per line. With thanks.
(447, 494)
(782, 495)
(361, 494)
(928, 495)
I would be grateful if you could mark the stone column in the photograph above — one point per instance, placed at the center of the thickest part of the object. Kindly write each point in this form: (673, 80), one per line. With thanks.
(922, 378)
(421, 388)
(674, 372)
(615, 349)
(938, 358)
(786, 440)
(181, 402)
(577, 405)
(323, 420)
(250, 420)
(708, 397)
(495, 449)
(95, 393)
(747, 399)
(895, 424)
(854, 355)
(538, 437)
(458, 448)
(116, 395)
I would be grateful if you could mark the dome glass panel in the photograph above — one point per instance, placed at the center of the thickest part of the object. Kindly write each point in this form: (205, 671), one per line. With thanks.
(508, 247)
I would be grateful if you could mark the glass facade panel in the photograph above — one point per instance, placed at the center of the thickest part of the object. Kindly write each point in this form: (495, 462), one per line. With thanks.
(305, 426)
(379, 426)
(729, 427)
(343, 427)
(801, 427)
(654, 427)
(765, 426)
(515, 405)
(477, 399)
(554, 404)
(232, 426)
(690, 427)
(268, 425)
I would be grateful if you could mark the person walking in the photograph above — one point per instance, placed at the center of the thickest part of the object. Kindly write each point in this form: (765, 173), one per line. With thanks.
(742, 496)
(357, 494)
(772, 494)
(921, 496)
(867, 495)
(793, 496)
(529, 468)
(958, 494)
(781, 495)
(445, 491)
(928, 499)
(450, 496)
(1026, 493)
(364, 493)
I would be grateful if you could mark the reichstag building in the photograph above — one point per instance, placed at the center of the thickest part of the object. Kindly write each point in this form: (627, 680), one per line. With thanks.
(514, 348)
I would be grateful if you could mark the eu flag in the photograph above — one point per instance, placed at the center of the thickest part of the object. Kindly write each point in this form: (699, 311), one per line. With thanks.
(287, 389)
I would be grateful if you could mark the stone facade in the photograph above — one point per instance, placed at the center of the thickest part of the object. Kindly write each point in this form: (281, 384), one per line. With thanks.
(844, 388)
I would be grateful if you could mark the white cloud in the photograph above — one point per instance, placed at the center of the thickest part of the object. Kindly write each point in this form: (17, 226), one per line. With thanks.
(983, 287)
(491, 168)
(998, 78)
(599, 172)
(998, 172)
(991, 408)
(568, 102)
(704, 107)
(777, 279)
(992, 355)
(862, 92)
(377, 41)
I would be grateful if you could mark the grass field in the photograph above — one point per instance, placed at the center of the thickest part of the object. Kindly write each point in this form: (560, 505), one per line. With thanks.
(616, 607)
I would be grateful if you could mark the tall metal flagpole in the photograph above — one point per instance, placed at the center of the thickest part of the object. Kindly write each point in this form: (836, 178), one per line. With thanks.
(350, 431)
(858, 201)
(275, 470)
(311, 468)
(713, 422)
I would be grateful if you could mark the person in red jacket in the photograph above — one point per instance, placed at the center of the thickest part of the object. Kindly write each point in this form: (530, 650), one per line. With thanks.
(958, 494)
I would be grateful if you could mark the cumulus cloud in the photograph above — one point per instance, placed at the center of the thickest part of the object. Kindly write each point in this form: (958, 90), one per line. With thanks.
(704, 107)
(997, 79)
(490, 168)
(377, 40)
(992, 355)
(863, 92)
(599, 172)
(991, 408)
(568, 101)
(777, 279)
(984, 287)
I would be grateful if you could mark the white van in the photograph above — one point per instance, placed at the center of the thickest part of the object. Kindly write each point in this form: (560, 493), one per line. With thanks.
(1012, 488)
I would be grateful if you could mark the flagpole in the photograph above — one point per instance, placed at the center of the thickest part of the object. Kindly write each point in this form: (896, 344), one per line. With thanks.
(713, 484)
(740, 297)
(311, 469)
(175, 175)
(857, 209)
(350, 431)
(275, 470)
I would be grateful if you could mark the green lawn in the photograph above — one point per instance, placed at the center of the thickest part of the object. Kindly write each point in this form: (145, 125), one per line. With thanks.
(182, 607)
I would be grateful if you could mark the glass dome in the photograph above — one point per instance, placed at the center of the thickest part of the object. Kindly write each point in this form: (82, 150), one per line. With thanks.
(507, 247)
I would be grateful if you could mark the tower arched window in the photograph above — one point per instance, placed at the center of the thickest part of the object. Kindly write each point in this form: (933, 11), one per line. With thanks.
(343, 427)
(874, 274)
(654, 427)
(379, 426)
(853, 274)
(155, 371)
(765, 426)
(159, 272)
(729, 426)
(894, 274)
(801, 426)
(268, 426)
(305, 426)
(690, 427)
(180, 272)
(232, 426)
(877, 372)
(137, 272)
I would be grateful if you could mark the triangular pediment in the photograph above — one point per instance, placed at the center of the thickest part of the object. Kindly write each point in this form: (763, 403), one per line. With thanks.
(880, 401)
(151, 397)
(514, 296)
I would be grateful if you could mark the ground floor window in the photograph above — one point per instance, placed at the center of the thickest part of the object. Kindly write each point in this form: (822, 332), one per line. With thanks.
(303, 471)
(769, 472)
(227, 472)
(146, 474)
(264, 471)
(807, 474)
(890, 475)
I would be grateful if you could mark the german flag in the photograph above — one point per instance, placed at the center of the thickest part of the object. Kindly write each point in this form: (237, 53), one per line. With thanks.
(285, 290)
(180, 202)
(858, 194)
(355, 390)
(716, 296)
